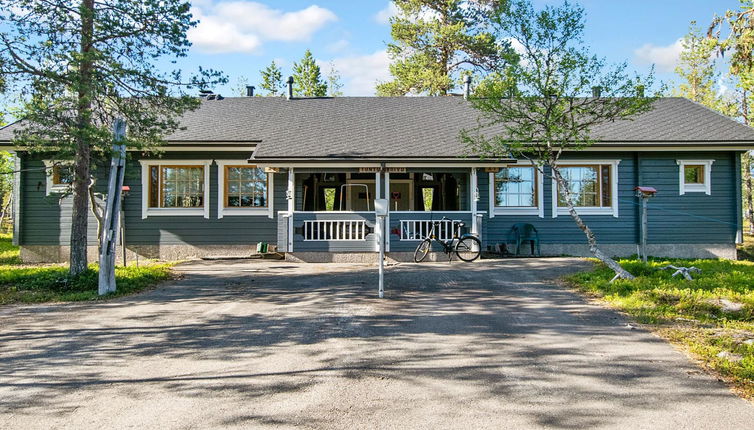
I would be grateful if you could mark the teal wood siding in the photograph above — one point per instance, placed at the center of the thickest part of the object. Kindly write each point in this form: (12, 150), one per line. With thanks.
(673, 218)
(692, 217)
(46, 219)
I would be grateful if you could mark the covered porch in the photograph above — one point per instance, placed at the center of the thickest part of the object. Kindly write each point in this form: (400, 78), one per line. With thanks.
(331, 207)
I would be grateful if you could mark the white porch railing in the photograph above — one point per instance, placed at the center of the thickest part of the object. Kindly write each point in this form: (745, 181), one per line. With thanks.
(420, 229)
(320, 230)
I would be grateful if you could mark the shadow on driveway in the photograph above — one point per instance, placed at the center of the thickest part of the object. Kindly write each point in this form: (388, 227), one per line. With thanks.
(489, 344)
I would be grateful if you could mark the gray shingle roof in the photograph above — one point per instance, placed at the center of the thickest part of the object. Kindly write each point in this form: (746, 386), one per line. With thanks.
(411, 127)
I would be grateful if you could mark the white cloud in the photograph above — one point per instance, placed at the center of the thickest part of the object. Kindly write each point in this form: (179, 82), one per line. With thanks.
(360, 73)
(338, 46)
(242, 26)
(384, 15)
(665, 58)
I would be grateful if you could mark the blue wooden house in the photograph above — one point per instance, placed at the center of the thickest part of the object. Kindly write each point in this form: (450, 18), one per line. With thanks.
(302, 175)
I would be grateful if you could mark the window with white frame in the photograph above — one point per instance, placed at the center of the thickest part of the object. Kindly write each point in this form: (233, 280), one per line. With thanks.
(59, 176)
(244, 189)
(516, 190)
(178, 187)
(592, 187)
(694, 176)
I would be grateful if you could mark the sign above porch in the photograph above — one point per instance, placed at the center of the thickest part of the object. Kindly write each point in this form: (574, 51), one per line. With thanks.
(382, 169)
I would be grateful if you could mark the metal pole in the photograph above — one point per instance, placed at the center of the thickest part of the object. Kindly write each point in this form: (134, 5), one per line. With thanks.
(381, 222)
(644, 228)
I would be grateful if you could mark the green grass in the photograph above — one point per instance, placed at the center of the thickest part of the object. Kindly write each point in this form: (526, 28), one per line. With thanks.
(51, 283)
(689, 313)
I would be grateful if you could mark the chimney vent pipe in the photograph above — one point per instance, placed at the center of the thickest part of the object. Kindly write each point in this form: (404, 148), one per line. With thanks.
(596, 92)
(466, 87)
(250, 90)
(289, 93)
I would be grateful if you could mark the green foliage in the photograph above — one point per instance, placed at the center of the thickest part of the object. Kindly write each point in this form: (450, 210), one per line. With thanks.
(690, 313)
(698, 72)
(239, 89)
(272, 80)
(333, 82)
(434, 41)
(542, 101)
(97, 62)
(79, 66)
(307, 78)
(47, 283)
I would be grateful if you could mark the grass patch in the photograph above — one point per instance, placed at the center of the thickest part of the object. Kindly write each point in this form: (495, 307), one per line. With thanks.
(51, 283)
(712, 316)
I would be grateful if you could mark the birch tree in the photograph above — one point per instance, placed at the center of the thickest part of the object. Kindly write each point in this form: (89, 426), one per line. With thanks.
(78, 65)
(540, 105)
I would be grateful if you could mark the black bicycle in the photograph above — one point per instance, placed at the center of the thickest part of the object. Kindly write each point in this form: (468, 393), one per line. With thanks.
(467, 246)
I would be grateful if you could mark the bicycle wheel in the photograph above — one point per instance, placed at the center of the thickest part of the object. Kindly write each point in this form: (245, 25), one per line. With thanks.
(422, 250)
(469, 248)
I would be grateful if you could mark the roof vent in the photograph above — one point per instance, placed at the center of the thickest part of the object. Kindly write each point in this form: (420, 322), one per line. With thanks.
(596, 92)
(467, 87)
(250, 90)
(289, 93)
(211, 96)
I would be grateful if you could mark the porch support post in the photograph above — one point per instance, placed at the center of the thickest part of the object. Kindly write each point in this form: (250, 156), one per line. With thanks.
(290, 195)
(377, 194)
(387, 218)
(474, 196)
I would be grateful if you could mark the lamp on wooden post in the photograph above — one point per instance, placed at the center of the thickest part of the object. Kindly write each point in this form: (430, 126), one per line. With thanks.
(644, 194)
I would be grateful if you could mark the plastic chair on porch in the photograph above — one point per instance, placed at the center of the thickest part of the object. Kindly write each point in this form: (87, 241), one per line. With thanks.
(523, 232)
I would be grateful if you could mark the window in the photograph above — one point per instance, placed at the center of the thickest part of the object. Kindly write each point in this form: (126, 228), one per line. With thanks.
(694, 176)
(176, 187)
(516, 187)
(592, 186)
(245, 189)
(516, 190)
(59, 176)
(179, 187)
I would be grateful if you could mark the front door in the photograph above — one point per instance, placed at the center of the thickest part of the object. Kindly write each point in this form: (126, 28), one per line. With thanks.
(400, 195)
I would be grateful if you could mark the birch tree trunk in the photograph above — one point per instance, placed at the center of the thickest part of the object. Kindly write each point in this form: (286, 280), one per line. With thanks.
(620, 272)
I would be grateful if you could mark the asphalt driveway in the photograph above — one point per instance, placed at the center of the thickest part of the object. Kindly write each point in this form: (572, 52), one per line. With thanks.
(255, 344)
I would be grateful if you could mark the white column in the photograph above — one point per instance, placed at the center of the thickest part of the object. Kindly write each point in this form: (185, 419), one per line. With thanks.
(291, 195)
(474, 196)
(387, 219)
(379, 227)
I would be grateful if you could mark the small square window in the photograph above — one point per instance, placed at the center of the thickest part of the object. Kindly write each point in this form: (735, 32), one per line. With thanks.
(694, 176)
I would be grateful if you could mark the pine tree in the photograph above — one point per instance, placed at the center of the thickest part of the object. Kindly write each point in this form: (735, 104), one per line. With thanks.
(697, 69)
(433, 41)
(307, 78)
(272, 79)
(79, 65)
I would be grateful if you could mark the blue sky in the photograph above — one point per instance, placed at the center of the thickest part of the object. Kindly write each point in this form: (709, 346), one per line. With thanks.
(241, 37)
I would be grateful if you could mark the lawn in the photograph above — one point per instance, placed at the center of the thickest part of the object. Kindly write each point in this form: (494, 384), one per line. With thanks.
(51, 283)
(711, 317)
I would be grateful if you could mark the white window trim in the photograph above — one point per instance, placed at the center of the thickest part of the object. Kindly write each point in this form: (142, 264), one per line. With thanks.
(222, 211)
(706, 187)
(51, 188)
(586, 210)
(146, 211)
(538, 210)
